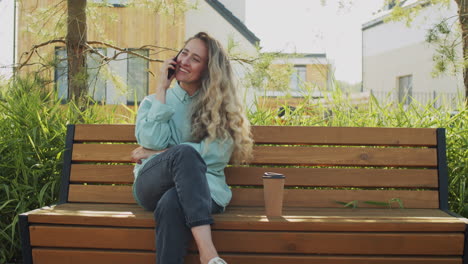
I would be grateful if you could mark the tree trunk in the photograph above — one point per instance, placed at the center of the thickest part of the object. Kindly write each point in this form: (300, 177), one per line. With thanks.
(462, 15)
(76, 38)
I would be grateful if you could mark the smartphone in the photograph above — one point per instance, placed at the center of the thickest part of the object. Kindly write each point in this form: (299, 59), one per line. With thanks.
(171, 72)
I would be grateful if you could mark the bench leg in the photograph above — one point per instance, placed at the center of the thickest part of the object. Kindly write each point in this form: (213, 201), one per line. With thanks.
(465, 251)
(26, 249)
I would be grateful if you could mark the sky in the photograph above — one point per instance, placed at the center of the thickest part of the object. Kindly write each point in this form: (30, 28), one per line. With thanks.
(303, 26)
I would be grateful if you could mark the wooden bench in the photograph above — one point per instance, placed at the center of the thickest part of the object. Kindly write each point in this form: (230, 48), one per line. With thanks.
(97, 220)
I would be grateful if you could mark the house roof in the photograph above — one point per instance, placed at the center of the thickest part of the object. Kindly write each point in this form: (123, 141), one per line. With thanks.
(300, 58)
(312, 55)
(299, 55)
(382, 14)
(234, 21)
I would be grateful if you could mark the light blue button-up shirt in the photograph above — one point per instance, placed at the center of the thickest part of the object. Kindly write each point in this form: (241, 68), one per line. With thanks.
(160, 126)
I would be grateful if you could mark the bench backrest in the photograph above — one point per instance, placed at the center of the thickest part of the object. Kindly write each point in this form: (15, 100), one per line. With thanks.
(324, 166)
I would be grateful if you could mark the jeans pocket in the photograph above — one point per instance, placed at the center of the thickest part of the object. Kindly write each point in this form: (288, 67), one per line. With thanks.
(155, 160)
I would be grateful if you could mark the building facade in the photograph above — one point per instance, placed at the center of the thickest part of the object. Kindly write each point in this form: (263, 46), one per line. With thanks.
(310, 78)
(398, 63)
(142, 32)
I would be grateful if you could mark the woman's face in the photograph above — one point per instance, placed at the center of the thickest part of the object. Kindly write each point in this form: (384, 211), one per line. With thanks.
(192, 62)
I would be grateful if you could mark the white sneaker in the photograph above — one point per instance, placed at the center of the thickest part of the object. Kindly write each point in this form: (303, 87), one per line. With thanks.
(217, 260)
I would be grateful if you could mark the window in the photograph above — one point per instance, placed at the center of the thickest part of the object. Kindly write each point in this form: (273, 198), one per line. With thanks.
(124, 80)
(298, 77)
(137, 76)
(405, 89)
(61, 73)
(96, 80)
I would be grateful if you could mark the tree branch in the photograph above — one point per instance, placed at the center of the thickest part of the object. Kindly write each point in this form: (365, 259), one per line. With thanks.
(34, 48)
(105, 58)
(123, 50)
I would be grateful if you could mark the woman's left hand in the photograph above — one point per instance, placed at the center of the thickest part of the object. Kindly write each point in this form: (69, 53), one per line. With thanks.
(142, 153)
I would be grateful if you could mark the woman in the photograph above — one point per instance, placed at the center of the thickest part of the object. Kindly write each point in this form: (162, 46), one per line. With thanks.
(187, 136)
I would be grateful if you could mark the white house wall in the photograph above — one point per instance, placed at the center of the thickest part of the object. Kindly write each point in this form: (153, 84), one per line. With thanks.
(392, 35)
(392, 50)
(7, 38)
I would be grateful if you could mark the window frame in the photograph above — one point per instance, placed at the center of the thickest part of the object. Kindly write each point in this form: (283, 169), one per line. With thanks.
(146, 90)
(405, 94)
(58, 72)
(298, 69)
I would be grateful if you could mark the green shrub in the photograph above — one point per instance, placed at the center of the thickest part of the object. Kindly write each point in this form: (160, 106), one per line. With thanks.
(32, 139)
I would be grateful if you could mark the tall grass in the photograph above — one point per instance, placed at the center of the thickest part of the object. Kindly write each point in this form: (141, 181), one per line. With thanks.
(32, 132)
(337, 109)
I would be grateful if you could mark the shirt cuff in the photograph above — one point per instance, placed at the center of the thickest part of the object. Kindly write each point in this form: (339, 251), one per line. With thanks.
(159, 111)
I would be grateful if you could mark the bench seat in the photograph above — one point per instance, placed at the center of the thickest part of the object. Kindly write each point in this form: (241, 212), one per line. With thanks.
(428, 235)
(98, 221)
(254, 218)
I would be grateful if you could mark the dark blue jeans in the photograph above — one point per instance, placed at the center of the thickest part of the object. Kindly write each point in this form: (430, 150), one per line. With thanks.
(173, 185)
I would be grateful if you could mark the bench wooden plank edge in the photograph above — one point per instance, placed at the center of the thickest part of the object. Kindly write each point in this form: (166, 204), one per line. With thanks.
(300, 135)
(264, 224)
(67, 159)
(56, 255)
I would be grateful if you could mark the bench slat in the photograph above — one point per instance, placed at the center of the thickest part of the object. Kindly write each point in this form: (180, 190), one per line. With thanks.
(254, 197)
(103, 152)
(333, 259)
(253, 218)
(326, 177)
(102, 237)
(342, 156)
(288, 135)
(343, 243)
(344, 136)
(100, 133)
(443, 244)
(100, 173)
(57, 256)
(329, 198)
(337, 177)
(320, 156)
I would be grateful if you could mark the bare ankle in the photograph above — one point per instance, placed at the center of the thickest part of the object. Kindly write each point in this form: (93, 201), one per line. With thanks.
(207, 256)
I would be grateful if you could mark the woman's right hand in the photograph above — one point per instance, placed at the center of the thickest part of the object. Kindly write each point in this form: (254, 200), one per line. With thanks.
(164, 82)
(142, 153)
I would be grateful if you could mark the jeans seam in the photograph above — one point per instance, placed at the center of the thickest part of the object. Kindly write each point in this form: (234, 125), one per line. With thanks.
(146, 168)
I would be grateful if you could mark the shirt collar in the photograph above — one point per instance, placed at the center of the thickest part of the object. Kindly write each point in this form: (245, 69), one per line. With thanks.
(182, 95)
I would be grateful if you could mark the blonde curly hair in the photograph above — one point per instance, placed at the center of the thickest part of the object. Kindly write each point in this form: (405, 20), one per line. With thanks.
(217, 113)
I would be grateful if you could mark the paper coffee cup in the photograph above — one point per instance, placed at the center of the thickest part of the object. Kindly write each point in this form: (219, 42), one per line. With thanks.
(273, 189)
